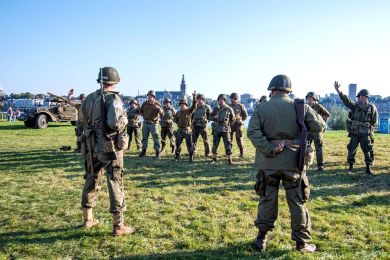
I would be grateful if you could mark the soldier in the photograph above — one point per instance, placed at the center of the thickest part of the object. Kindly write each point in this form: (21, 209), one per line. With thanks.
(183, 121)
(364, 116)
(272, 130)
(134, 125)
(313, 101)
(106, 140)
(200, 119)
(223, 117)
(80, 118)
(263, 99)
(166, 122)
(238, 126)
(151, 110)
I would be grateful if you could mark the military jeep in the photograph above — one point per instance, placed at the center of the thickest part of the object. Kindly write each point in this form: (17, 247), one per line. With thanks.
(57, 110)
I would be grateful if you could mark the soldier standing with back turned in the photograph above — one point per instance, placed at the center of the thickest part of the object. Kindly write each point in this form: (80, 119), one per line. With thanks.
(151, 110)
(200, 119)
(134, 125)
(364, 116)
(223, 117)
(106, 140)
(183, 121)
(166, 123)
(318, 138)
(273, 130)
(238, 126)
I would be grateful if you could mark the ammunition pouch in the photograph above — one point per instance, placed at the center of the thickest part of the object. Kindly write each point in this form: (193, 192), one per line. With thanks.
(122, 141)
(364, 128)
(355, 127)
(304, 188)
(309, 155)
(108, 146)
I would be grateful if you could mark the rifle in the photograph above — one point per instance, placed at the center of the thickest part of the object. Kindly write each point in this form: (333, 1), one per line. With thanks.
(302, 135)
(103, 109)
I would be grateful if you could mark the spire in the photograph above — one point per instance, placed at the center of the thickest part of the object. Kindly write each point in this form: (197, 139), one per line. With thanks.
(183, 86)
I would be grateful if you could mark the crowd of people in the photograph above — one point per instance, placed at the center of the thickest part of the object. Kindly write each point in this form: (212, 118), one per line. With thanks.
(279, 130)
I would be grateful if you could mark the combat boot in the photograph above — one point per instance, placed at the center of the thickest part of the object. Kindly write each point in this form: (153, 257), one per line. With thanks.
(214, 160)
(172, 149)
(157, 154)
(143, 153)
(261, 240)
(89, 220)
(119, 227)
(369, 170)
(177, 156)
(350, 168)
(305, 248)
(241, 152)
(320, 167)
(191, 157)
(230, 161)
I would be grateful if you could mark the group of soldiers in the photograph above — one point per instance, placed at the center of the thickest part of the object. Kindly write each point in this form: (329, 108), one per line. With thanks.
(191, 122)
(277, 130)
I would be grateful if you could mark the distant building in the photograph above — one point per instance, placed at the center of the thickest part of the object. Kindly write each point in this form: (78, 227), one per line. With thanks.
(352, 91)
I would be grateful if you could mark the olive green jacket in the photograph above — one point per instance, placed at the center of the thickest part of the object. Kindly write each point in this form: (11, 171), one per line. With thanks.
(277, 120)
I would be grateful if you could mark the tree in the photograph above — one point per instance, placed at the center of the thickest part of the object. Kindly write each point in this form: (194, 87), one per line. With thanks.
(338, 118)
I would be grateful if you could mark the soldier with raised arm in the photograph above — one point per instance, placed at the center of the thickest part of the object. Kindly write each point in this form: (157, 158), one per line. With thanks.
(183, 121)
(363, 118)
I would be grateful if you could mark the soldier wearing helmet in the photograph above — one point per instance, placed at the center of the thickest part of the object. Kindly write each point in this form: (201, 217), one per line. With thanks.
(134, 125)
(312, 100)
(106, 140)
(183, 121)
(363, 118)
(200, 118)
(223, 118)
(166, 123)
(151, 110)
(272, 130)
(238, 126)
(80, 119)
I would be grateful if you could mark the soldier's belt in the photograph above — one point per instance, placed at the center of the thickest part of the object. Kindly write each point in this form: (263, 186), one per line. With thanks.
(150, 122)
(286, 141)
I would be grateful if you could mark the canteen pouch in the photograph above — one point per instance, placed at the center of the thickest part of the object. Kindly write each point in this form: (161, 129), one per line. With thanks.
(108, 146)
(123, 141)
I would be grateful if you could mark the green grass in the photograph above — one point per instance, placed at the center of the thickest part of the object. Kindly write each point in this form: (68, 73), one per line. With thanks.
(181, 210)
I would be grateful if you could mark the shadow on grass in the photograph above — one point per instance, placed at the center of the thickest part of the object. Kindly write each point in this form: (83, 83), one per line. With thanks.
(244, 250)
(47, 236)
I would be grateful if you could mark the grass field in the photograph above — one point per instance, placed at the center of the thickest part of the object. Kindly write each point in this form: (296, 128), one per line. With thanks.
(181, 210)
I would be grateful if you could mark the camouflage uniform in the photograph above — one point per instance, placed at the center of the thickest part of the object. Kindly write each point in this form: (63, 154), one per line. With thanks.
(151, 113)
(318, 138)
(167, 126)
(183, 121)
(222, 127)
(238, 127)
(99, 156)
(360, 127)
(200, 119)
(272, 123)
(134, 126)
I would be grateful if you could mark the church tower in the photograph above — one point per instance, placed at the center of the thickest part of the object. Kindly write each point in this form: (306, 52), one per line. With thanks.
(183, 87)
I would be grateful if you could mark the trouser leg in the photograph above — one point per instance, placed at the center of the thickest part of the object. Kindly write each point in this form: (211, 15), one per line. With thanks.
(137, 137)
(352, 148)
(145, 136)
(318, 141)
(228, 144)
(115, 184)
(195, 136)
(216, 140)
(189, 144)
(156, 139)
(92, 185)
(206, 140)
(179, 140)
(367, 148)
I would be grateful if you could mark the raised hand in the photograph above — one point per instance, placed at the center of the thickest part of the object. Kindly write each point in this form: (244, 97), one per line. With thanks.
(337, 86)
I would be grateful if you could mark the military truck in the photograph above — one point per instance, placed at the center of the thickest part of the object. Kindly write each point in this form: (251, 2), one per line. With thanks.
(57, 110)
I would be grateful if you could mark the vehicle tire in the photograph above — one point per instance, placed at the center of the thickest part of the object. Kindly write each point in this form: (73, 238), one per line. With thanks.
(74, 123)
(29, 123)
(41, 121)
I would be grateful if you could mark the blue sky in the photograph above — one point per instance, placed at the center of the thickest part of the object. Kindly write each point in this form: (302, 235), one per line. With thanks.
(220, 46)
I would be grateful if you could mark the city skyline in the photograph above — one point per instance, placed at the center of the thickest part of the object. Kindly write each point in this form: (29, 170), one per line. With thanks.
(221, 46)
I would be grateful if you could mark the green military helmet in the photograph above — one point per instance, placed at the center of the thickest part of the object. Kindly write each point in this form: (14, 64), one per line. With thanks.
(313, 95)
(200, 96)
(234, 95)
(133, 101)
(152, 93)
(363, 92)
(263, 98)
(222, 96)
(167, 100)
(109, 76)
(183, 101)
(280, 82)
